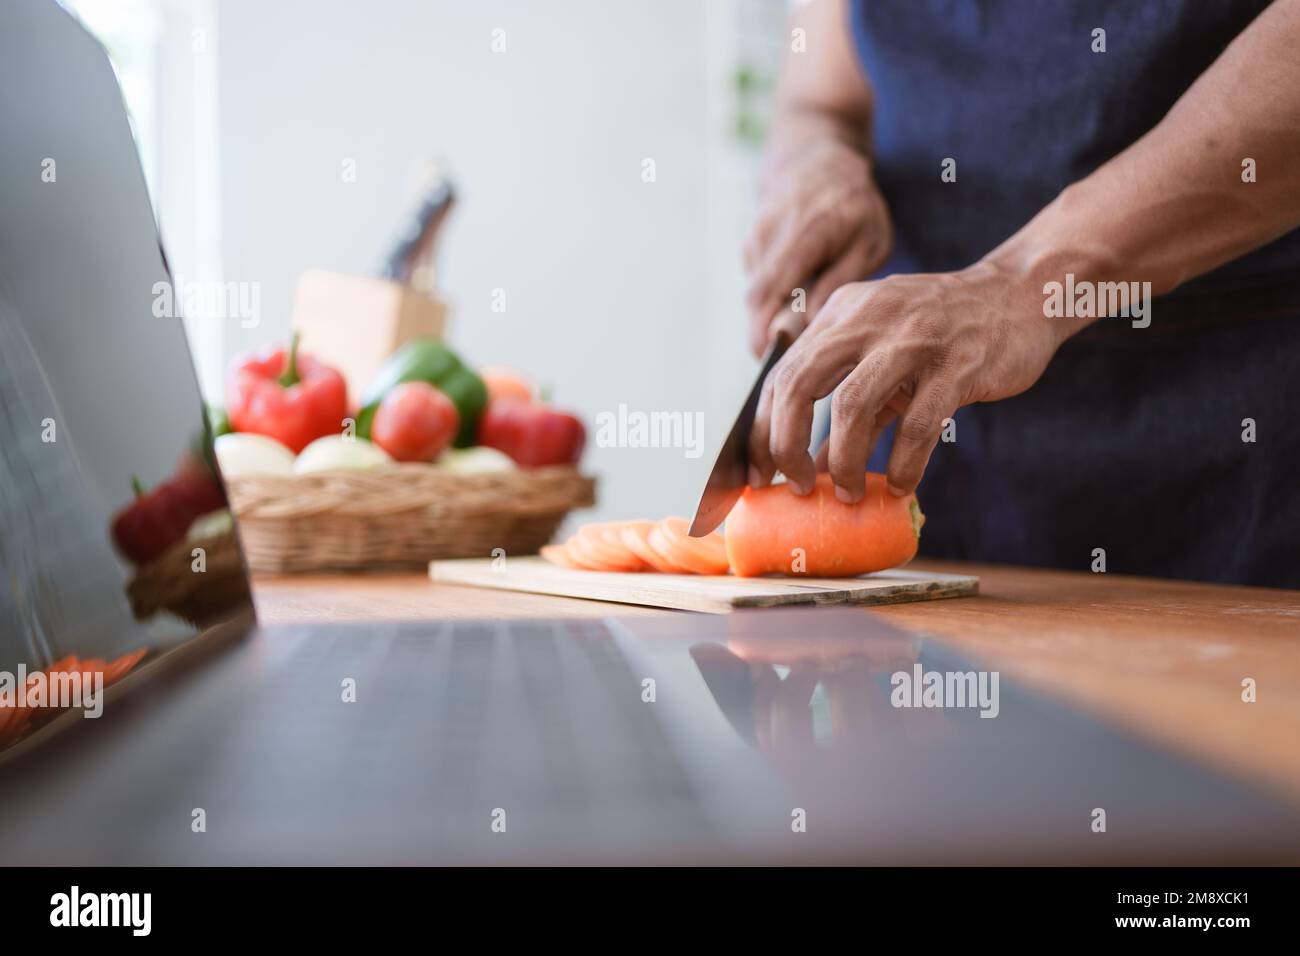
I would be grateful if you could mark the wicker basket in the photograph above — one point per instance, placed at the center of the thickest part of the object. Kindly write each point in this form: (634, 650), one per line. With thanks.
(402, 516)
(169, 582)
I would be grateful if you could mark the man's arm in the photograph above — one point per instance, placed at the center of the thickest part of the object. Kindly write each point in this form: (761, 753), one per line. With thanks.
(1170, 207)
(822, 222)
(1174, 205)
(821, 93)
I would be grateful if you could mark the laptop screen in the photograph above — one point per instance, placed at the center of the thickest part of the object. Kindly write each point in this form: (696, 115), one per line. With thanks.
(115, 541)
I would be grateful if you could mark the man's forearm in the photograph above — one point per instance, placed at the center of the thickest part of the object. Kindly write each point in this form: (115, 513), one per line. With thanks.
(822, 93)
(1217, 177)
(796, 126)
(822, 222)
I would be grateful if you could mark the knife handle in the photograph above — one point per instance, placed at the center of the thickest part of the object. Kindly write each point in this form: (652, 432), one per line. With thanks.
(787, 326)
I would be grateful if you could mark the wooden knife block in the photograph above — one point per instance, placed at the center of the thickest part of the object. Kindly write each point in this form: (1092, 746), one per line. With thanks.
(355, 322)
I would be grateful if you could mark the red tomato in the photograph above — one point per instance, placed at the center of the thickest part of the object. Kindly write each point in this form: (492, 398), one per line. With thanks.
(531, 433)
(414, 422)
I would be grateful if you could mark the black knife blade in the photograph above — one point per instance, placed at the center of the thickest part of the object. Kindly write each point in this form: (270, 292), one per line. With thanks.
(730, 471)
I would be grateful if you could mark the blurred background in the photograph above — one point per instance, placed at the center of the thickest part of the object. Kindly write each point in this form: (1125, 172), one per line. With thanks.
(285, 135)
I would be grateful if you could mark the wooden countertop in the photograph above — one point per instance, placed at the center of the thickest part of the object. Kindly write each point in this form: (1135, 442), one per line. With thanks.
(1165, 659)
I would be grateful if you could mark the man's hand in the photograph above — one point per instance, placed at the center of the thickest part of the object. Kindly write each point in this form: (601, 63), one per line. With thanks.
(822, 224)
(917, 347)
(911, 347)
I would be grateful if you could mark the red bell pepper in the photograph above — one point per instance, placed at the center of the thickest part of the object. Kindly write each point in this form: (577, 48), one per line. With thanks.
(287, 396)
(531, 433)
(157, 519)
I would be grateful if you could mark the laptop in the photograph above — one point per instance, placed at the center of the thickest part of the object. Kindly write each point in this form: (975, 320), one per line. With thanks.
(809, 735)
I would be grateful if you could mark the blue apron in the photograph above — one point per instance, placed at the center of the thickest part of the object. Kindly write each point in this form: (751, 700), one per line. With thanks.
(1132, 441)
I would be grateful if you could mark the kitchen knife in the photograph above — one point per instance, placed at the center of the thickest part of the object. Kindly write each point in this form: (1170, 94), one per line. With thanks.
(730, 472)
(413, 252)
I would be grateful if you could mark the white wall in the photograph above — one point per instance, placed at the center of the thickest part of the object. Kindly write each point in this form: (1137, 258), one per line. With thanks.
(617, 290)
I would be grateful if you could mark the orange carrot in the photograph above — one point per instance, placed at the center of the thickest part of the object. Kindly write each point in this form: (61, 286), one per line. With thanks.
(626, 546)
(608, 548)
(559, 554)
(774, 531)
(636, 535)
(63, 665)
(88, 668)
(706, 555)
(16, 715)
(580, 553)
(612, 535)
(119, 668)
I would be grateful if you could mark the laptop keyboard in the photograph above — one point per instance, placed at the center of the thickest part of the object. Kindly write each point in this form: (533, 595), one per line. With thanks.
(544, 720)
(582, 704)
(452, 723)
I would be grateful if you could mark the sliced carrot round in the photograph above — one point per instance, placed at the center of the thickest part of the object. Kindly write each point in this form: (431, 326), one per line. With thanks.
(604, 543)
(713, 546)
(671, 554)
(66, 664)
(706, 555)
(664, 548)
(579, 552)
(559, 554)
(612, 535)
(90, 666)
(119, 668)
(635, 535)
(88, 671)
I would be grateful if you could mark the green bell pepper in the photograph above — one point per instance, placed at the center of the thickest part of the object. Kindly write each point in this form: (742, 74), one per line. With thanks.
(424, 360)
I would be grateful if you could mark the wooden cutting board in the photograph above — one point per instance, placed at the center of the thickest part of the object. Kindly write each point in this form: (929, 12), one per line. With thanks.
(691, 592)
